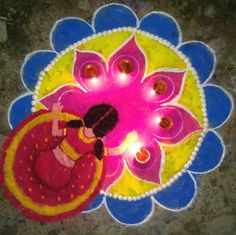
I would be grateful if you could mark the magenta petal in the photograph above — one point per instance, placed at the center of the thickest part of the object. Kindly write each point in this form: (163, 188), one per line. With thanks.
(150, 170)
(54, 97)
(183, 124)
(131, 52)
(114, 169)
(172, 82)
(82, 59)
(73, 101)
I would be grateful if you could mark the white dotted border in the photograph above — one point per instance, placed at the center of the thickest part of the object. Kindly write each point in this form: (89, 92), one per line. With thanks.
(181, 55)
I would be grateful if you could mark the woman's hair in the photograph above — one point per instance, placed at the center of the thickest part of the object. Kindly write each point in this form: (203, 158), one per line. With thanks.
(98, 149)
(101, 118)
(74, 124)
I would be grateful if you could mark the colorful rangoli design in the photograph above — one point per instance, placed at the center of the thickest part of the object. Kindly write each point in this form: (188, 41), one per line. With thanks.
(136, 113)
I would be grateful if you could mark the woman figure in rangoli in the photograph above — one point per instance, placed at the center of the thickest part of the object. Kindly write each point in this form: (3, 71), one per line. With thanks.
(53, 162)
(80, 138)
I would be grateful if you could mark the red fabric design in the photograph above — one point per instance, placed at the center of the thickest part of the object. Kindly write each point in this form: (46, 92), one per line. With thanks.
(62, 188)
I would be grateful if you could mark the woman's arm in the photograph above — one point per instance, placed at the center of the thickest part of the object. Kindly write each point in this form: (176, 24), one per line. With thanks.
(130, 138)
(56, 131)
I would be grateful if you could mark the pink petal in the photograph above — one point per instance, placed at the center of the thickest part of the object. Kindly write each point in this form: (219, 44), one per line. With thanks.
(132, 52)
(54, 97)
(82, 59)
(114, 169)
(150, 170)
(173, 81)
(73, 101)
(183, 124)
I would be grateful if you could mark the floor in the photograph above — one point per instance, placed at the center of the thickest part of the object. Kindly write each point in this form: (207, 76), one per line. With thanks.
(214, 210)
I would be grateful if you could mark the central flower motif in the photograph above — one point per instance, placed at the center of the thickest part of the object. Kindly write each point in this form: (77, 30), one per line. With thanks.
(145, 104)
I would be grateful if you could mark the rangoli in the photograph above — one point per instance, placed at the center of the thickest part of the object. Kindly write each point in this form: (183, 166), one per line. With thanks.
(119, 113)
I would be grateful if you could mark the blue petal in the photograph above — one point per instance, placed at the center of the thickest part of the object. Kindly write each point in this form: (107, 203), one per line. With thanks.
(20, 108)
(201, 57)
(68, 31)
(130, 212)
(113, 16)
(209, 155)
(179, 195)
(97, 202)
(219, 105)
(33, 65)
(162, 25)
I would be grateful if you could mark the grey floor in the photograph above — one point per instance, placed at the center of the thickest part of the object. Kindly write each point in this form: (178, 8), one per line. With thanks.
(214, 210)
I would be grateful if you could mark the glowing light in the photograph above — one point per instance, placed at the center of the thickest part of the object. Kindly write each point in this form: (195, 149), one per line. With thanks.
(158, 120)
(131, 138)
(123, 76)
(152, 92)
(134, 148)
(94, 80)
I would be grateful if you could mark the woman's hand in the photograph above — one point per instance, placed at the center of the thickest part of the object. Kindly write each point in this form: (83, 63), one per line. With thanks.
(130, 138)
(57, 107)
